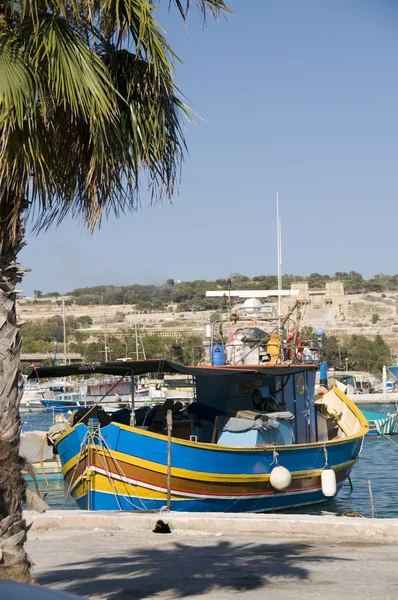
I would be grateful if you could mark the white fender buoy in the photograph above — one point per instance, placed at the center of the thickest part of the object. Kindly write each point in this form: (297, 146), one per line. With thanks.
(328, 483)
(280, 478)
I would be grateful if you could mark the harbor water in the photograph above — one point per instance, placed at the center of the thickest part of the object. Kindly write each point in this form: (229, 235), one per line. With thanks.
(378, 464)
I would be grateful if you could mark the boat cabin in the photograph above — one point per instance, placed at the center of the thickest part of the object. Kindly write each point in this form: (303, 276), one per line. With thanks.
(241, 406)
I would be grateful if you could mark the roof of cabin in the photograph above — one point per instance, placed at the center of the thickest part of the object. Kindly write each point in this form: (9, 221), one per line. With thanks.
(141, 367)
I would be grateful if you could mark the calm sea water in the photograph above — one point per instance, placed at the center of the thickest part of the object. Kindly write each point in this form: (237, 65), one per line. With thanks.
(379, 464)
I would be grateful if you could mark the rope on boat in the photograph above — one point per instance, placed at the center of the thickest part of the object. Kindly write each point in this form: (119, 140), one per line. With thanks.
(41, 458)
(388, 438)
(325, 451)
(82, 446)
(112, 484)
(275, 457)
(121, 474)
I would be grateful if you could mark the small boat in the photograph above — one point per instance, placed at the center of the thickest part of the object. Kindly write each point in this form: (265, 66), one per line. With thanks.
(31, 400)
(113, 393)
(66, 402)
(48, 470)
(255, 439)
(381, 424)
(45, 465)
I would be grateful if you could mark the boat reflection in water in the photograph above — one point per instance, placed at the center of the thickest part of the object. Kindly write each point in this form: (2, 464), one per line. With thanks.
(253, 439)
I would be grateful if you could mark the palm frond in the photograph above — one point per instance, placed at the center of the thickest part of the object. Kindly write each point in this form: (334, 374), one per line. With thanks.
(214, 7)
(76, 75)
(88, 109)
(18, 81)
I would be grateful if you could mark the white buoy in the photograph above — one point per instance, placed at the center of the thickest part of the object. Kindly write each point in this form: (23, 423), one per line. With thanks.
(328, 483)
(280, 478)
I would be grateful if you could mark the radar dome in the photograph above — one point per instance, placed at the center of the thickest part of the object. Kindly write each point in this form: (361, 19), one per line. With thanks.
(252, 305)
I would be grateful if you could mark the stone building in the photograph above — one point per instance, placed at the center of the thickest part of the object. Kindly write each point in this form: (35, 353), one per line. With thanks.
(320, 305)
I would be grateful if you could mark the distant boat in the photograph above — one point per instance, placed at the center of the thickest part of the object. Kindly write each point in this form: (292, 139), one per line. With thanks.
(46, 466)
(66, 402)
(48, 470)
(381, 424)
(115, 393)
(31, 400)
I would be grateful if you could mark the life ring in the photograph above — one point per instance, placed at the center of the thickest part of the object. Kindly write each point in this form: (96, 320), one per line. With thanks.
(299, 348)
(290, 350)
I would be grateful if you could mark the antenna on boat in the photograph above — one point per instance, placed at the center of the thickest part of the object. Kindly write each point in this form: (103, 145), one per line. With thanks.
(279, 254)
(136, 339)
(63, 318)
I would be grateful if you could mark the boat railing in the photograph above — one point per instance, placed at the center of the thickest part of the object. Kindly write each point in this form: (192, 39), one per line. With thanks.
(303, 352)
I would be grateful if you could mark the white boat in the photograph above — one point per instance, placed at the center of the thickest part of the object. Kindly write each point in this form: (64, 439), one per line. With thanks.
(32, 397)
(109, 392)
(178, 389)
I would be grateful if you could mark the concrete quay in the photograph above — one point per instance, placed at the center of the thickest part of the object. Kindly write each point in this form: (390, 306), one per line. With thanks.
(116, 556)
(352, 529)
(392, 398)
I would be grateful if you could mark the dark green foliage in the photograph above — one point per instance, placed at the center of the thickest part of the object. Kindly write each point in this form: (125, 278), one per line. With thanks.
(191, 295)
(85, 321)
(358, 351)
(40, 336)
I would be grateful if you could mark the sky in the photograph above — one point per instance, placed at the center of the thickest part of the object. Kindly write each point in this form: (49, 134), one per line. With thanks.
(299, 97)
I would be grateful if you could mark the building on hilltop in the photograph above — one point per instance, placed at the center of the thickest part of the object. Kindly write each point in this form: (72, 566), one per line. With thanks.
(321, 306)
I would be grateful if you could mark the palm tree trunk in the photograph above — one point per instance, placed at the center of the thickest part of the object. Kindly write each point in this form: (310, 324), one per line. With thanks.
(14, 563)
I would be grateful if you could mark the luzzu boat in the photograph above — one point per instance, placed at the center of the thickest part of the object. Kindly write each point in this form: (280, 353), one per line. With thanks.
(254, 439)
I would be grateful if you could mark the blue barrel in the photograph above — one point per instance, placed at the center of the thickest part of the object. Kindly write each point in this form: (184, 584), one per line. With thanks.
(217, 355)
(323, 373)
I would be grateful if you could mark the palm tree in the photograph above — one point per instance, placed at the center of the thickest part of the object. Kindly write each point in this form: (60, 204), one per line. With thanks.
(88, 108)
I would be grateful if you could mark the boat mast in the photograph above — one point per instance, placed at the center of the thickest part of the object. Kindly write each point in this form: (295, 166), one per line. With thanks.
(63, 319)
(279, 255)
(136, 339)
(105, 333)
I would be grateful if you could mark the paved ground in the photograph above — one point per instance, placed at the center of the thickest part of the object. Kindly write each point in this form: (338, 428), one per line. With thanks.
(136, 565)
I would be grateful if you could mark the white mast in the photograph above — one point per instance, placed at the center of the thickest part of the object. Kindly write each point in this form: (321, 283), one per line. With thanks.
(279, 254)
(136, 339)
(105, 335)
(63, 319)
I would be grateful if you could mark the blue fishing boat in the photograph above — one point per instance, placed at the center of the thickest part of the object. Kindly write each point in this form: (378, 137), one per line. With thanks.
(66, 402)
(255, 439)
(380, 423)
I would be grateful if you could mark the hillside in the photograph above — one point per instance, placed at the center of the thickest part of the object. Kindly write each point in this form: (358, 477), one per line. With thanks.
(182, 308)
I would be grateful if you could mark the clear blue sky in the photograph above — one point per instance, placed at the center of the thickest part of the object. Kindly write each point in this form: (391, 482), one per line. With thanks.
(299, 96)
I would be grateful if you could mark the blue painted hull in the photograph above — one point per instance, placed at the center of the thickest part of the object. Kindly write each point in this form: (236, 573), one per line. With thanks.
(205, 477)
(283, 501)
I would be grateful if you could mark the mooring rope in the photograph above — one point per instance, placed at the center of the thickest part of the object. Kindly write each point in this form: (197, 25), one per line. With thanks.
(74, 470)
(122, 474)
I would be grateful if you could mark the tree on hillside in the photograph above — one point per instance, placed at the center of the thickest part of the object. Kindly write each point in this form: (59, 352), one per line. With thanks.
(87, 103)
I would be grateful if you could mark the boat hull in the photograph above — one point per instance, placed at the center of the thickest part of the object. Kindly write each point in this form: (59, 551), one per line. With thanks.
(48, 470)
(125, 468)
(380, 424)
(65, 406)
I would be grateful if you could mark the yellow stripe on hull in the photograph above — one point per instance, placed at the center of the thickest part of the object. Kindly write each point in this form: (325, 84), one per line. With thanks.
(101, 483)
(120, 457)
